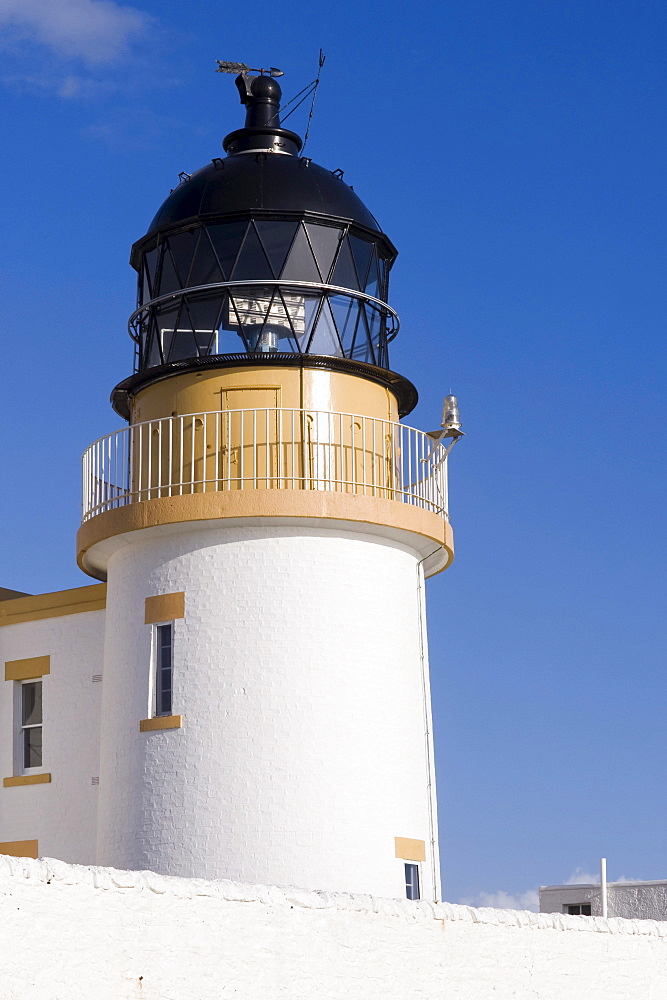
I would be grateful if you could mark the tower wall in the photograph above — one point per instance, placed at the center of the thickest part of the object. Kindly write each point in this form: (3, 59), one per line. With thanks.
(300, 674)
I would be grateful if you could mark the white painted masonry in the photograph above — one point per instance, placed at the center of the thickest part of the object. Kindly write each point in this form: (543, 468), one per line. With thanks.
(61, 815)
(633, 900)
(72, 933)
(298, 672)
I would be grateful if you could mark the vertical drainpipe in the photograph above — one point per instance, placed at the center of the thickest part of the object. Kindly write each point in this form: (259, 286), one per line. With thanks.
(430, 770)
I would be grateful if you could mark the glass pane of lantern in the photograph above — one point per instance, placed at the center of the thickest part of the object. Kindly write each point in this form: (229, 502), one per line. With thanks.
(301, 264)
(145, 294)
(203, 312)
(324, 339)
(152, 354)
(151, 261)
(324, 241)
(373, 286)
(362, 251)
(226, 239)
(346, 315)
(181, 344)
(168, 278)
(251, 262)
(182, 246)
(276, 238)
(205, 269)
(371, 323)
(344, 273)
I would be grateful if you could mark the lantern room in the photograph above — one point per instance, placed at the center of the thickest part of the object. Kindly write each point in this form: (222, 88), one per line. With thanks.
(262, 252)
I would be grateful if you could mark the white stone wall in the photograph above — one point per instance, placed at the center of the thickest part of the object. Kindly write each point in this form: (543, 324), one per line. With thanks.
(633, 900)
(298, 672)
(62, 815)
(71, 933)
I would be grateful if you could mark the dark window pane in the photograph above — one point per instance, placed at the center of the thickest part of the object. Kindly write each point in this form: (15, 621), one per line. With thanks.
(226, 239)
(324, 241)
(203, 317)
(151, 263)
(362, 251)
(32, 703)
(32, 747)
(153, 358)
(373, 285)
(276, 238)
(252, 262)
(164, 643)
(180, 345)
(344, 273)
(182, 247)
(585, 909)
(301, 264)
(168, 278)
(205, 268)
(145, 294)
(412, 881)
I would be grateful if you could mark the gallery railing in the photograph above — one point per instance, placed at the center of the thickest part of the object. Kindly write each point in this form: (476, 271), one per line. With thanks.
(267, 449)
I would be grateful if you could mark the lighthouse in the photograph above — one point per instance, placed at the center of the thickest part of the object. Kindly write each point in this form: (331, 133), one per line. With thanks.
(264, 525)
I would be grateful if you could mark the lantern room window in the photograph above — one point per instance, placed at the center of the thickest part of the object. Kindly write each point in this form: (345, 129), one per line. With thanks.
(291, 314)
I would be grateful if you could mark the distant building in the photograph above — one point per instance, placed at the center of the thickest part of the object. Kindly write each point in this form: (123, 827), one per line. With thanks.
(633, 900)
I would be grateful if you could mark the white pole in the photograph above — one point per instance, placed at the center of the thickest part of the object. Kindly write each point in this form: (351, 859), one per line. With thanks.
(603, 885)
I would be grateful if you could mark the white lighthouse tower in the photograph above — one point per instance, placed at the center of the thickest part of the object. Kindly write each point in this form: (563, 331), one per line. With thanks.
(265, 524)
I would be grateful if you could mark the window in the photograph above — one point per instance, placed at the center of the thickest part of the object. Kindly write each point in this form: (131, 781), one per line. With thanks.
(31, 724)
(164, 648)
(577, 909)
(412, 881)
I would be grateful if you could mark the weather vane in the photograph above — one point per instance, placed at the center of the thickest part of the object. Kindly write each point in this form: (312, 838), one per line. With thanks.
(241, 68)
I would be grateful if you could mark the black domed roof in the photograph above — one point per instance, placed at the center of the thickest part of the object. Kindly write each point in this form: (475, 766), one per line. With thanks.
(260, 181)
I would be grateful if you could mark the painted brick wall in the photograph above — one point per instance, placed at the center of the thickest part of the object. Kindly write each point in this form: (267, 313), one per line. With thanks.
(297, 669)
(61, 815)
(71, 933)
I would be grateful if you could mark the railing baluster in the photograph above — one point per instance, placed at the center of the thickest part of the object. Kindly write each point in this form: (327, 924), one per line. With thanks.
(348, 453)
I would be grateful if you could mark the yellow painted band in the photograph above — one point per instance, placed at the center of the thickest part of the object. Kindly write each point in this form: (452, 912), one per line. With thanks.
(161, 722)
(27, 779)
(23, 670)
(53, 605)
(265, 504)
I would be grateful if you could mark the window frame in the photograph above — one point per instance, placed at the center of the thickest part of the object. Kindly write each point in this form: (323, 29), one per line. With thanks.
(21, 727)
(157, 670)
(416, 868)
(585, 903)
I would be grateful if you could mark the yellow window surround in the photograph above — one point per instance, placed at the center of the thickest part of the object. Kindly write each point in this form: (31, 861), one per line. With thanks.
(23, 670)
(410, 850)
(27, 779)
(161, 722)
(164, 608)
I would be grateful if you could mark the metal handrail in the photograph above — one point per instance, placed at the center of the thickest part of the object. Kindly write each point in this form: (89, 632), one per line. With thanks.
(267, 448)
(273, 283)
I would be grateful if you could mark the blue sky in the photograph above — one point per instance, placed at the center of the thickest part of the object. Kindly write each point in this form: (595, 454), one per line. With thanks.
(515, 154)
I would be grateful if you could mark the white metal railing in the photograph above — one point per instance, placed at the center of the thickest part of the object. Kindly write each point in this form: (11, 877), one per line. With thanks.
(272, 448)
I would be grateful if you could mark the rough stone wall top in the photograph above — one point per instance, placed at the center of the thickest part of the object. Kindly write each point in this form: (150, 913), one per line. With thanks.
(68, 932)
